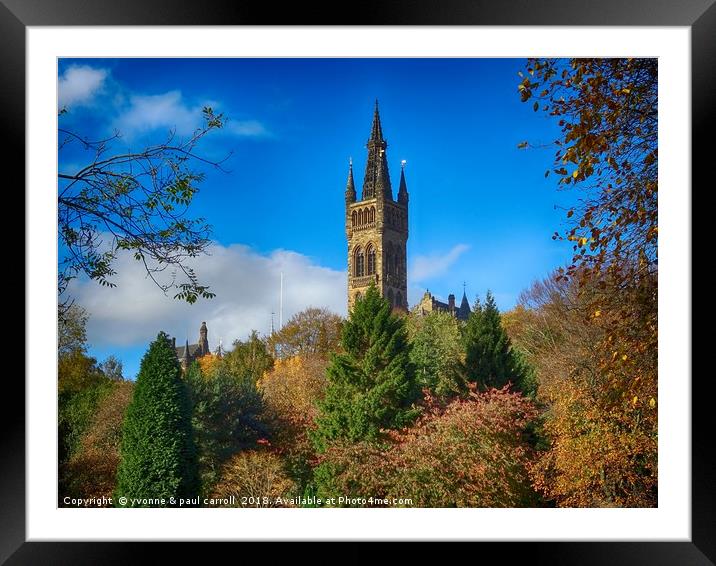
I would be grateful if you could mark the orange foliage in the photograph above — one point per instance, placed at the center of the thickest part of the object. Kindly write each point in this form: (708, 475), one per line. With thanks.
(209, 364)
(597, 378)
(290, 391)
(471, 453)
(253, 478)
(92, 470)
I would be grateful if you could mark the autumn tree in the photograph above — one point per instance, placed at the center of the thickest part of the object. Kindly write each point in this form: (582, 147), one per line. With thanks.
(249, 357)
(136, 202)
(313, 331)
(607, 150)
(608, 114)
(600, 398)
(607, 110)
(72, 330)
(489, 358)
(291, 391)
(158, 458)
(254, 478)
(81, 383)
(371, 384)
(91, 470)
(437, 353)
(471, 452)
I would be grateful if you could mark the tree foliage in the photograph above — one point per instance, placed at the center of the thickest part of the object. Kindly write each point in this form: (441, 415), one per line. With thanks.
(255, 478)
(291, 391)
(601, 388)
(371, 384)
(134, 201)
(437, 353)
(158, 458)
(600, 394)
(91, 470)
(112, 368)
(469, 453)
(313, 331)
(71, 330)
(489, 358)
(608, 115)
(226, 416)
(249, 357)
(607, 110)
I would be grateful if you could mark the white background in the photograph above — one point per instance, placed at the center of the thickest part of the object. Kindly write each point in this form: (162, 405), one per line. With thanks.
(670, 521)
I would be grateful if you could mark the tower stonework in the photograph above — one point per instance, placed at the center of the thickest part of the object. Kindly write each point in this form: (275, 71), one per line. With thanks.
(377, 227)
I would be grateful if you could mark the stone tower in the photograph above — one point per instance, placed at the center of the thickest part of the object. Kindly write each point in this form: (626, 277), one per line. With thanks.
(377, 227)
(203, 343)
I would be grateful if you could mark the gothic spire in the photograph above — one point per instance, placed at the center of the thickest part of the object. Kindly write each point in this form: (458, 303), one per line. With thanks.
(403, 190)
(350, 185)
(376, 131)
(186, 359)
(464, 304)
(376, 182)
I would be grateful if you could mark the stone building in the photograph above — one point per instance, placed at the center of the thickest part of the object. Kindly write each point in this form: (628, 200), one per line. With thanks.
(430, 304)
(377, 227)
(190, 352)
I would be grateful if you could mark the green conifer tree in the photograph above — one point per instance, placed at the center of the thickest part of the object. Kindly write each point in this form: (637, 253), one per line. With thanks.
(158, 459)
(372, 384)
(489, 359)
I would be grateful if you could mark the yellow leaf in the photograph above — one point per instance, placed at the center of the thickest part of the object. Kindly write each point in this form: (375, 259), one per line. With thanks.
(597, 313)
(634, 400)
(624, 357)
(652, 402)
(576, 172)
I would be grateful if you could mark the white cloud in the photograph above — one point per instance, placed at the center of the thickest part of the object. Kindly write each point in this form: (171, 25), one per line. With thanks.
(424, 267)
(153, 111)
(169, 111)
(247, 128)
(246, 284)
(79, 84)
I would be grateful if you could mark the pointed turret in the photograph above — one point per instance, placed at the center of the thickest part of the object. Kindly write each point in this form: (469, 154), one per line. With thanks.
(464, 310)
(350, 185)
(376, 182)
(376, 130)
(186, 360)
(403, 190)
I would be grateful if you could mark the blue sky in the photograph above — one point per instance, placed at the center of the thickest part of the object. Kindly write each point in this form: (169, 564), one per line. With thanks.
(481, 210)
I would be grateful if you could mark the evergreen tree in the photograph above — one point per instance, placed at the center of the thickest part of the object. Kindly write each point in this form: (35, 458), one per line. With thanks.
(372, 383)
(158, 459)
(437, 353)
(489, 358)
(226, 417)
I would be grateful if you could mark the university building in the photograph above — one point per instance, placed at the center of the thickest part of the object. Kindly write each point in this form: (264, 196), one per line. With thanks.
(377, 234)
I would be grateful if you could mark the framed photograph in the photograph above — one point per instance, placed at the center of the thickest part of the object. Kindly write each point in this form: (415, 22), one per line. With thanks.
(392, 279)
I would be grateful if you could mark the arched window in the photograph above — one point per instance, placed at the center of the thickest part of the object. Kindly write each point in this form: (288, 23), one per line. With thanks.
(370, 253)
(372, 214)
(366, 215)
(399, 299)
(358, 263)
(359, 296)
(360, 217)
(354, 218)
(390, 297)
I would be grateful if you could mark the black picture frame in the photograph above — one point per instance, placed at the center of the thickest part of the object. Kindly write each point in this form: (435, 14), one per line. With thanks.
(699, 15)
